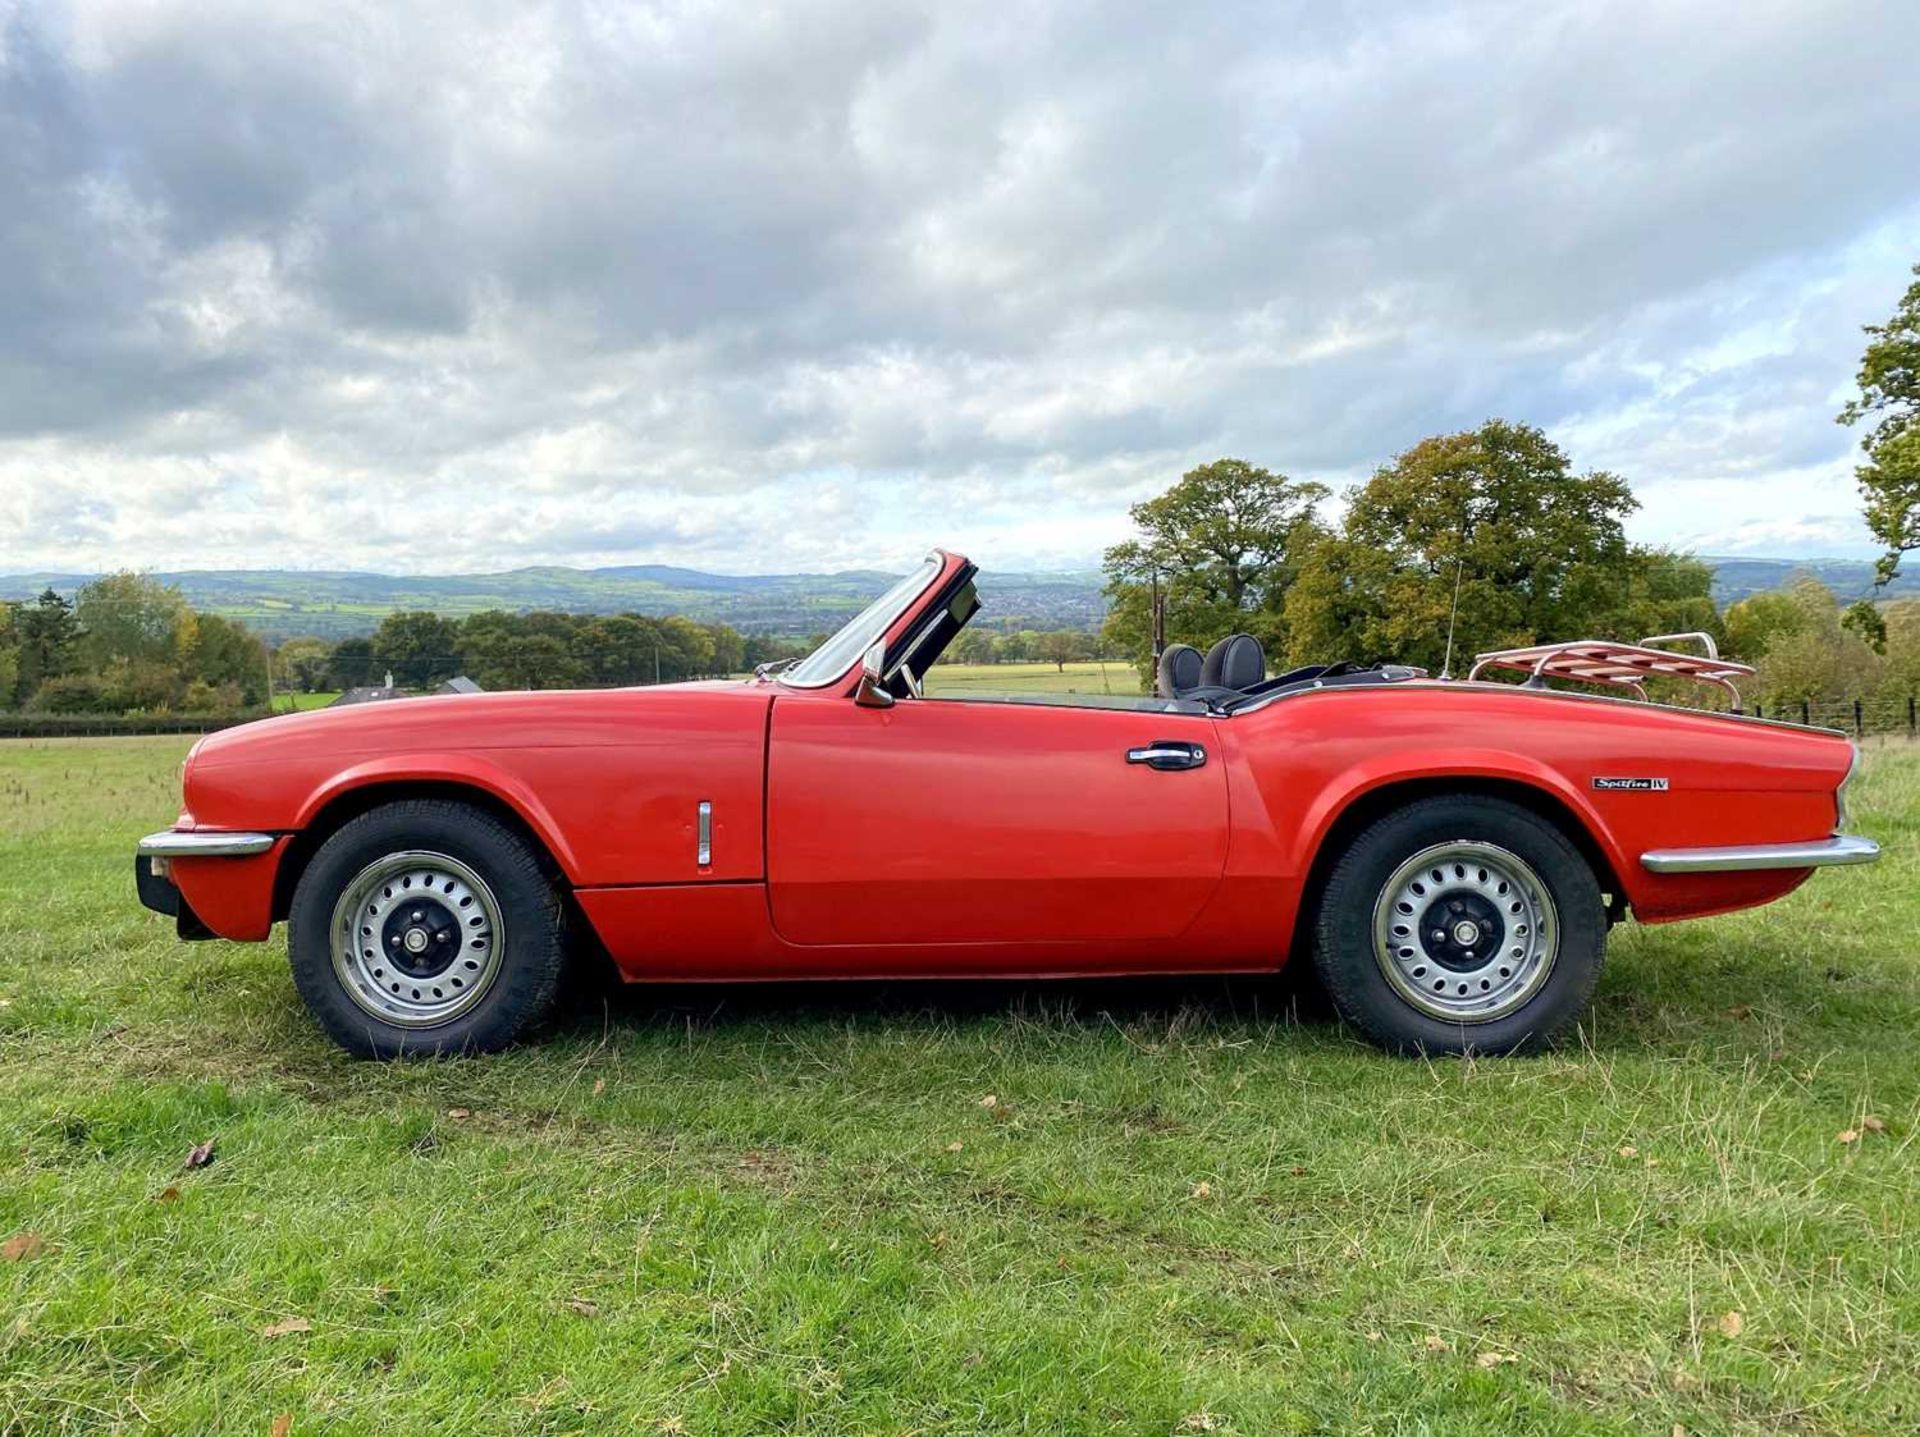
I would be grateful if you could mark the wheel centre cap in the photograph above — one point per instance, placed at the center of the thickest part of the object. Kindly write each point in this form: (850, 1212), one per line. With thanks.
(1466, 933)
(416, 940)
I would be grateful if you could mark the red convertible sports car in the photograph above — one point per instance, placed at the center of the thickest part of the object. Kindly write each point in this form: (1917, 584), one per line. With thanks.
(1451, 853)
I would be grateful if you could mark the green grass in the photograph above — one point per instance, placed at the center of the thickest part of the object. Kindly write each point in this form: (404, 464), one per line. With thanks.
(301, 702)
(710, 1211)
(1089, 677)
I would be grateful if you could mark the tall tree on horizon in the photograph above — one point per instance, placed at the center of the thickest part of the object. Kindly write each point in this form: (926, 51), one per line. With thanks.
(1889, 381)
(1225, 542)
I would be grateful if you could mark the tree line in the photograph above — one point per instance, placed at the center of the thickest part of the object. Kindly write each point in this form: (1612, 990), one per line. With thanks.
(537, 650)
(1489, 539)
(1488, 535)
(128, 644)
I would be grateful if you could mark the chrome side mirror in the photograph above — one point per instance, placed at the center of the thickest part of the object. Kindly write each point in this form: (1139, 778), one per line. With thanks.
(870, 694)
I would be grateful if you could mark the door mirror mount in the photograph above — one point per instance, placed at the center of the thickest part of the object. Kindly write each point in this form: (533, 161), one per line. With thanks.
(871, 694)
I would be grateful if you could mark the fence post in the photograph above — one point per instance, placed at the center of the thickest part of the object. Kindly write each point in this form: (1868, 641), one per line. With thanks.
(1806, 713)
(1910, 716)
(1859, 728)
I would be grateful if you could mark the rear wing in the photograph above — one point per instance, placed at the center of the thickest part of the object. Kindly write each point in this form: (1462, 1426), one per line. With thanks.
(1607, 664)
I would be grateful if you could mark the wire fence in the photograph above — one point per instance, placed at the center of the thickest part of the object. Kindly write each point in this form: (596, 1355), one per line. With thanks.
(1888, 714)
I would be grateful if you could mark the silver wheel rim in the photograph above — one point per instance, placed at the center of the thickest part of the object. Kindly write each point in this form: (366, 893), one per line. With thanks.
(1465, 932)
(416, 939)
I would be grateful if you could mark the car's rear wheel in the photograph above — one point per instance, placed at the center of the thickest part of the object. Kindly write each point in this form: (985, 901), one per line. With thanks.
(426, 927)
(1460, 924)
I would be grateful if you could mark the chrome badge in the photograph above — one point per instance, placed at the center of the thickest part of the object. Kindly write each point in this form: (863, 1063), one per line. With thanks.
(1631, 785)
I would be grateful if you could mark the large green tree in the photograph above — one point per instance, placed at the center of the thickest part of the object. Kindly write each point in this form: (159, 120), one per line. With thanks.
(9, 655)
(1889, 380)
(227, 652)
(133, 618)
(300, 664)
(1225, 543)
(1497, 521)
(417, 647)
(47, 638)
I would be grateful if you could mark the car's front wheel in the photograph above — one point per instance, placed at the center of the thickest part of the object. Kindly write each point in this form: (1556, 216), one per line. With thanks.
(426, 927)
(1460, 924)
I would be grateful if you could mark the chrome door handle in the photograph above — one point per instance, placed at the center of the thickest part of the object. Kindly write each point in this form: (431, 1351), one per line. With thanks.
(1166, 755)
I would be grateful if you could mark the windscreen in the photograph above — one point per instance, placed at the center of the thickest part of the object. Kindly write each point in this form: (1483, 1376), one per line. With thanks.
(843, 650)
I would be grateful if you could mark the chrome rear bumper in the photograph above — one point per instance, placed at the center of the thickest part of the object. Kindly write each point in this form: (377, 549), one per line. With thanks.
(1842, 848)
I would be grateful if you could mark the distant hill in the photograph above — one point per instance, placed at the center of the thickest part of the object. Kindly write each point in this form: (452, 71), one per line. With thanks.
(334, 604)
(1850, 579)
(281, 603)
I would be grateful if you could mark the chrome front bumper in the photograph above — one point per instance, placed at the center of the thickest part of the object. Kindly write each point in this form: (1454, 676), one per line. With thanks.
(153, 869)
(1842, 848)
(190, 843)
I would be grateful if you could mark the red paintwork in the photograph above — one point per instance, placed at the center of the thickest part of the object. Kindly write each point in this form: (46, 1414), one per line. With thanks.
(966, 836)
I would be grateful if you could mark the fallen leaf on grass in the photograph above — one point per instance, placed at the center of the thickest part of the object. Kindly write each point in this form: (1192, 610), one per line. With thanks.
(459, 1112)
(199, 1155)
(599, 1086)
(1494, 1359)
(282, 1425)
(1739, 1012)
(1201, 1421)
(1847, 1135)
(169, 1194)
(584, 1306)
(1872, 1124)
(286, 1327)
(21, 1246)
(1435, 1342)
(956, 1146)
(991, 1100)
(939, 1239)
(1732, 1324)
(1629, 1151)
(1202, 1190)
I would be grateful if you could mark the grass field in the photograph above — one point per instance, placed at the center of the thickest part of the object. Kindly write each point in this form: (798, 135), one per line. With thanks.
(1108, 1208)
(1089, 677)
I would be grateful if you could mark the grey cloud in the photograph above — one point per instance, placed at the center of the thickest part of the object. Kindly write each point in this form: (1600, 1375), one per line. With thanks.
(640, 281)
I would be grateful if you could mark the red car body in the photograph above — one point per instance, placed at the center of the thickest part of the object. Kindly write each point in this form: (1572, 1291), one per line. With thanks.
(944, 837)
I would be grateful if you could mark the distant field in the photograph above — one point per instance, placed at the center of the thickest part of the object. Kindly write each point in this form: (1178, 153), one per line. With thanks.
(1080, 678)
(1098, 1208)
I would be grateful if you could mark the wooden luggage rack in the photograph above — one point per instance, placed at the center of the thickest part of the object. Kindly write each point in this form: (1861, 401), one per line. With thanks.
(1607, 664)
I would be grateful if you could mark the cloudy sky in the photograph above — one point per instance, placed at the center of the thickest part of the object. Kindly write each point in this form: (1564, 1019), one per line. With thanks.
(763, 287)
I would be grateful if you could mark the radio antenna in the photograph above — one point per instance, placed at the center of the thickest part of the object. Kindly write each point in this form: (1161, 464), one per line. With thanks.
(1453, 613)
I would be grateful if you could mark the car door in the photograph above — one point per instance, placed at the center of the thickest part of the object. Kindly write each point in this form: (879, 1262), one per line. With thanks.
(970, 821)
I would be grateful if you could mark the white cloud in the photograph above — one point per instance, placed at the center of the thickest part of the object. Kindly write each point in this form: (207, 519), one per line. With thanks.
(814, 284)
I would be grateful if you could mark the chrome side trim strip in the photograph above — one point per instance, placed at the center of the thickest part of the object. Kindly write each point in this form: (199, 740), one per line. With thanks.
(703, 847)
(1842, 848)
(172, 843)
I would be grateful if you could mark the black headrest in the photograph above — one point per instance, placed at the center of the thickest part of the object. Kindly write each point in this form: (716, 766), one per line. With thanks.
(1236, 662)
(1179, 671)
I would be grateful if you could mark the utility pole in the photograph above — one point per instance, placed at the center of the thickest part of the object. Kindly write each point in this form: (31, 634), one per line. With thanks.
(1158, 616)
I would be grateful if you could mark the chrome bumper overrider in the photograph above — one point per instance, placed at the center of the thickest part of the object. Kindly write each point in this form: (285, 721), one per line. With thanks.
(203, 844)
(1816, 853)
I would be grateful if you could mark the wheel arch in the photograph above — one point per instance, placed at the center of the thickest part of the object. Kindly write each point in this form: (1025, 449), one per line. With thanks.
(1368, 804)
(344, 801)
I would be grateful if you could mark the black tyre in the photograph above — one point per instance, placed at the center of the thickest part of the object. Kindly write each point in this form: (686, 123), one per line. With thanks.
(426, 927)
(1460, 924)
